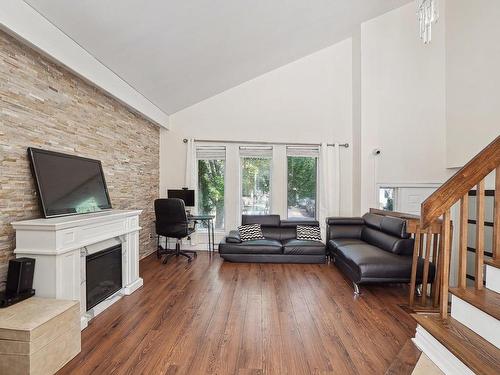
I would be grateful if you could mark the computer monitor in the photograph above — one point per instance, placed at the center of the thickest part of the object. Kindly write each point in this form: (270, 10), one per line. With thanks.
(186, 195)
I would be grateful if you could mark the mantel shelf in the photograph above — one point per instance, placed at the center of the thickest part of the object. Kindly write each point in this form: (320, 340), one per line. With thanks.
(72, 221)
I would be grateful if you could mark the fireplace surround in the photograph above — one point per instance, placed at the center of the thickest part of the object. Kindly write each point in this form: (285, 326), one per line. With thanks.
(62, 245)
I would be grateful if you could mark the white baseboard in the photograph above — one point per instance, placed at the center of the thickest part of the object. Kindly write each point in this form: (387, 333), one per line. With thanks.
(131, 288)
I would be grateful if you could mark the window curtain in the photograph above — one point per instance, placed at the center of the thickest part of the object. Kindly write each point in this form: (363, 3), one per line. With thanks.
(329, 182)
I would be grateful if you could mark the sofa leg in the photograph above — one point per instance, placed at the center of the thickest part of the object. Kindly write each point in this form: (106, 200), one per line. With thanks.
(356, 289)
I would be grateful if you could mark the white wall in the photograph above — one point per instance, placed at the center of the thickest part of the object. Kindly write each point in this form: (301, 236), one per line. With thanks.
(308, 100)
(403, 103)
(386, 76)
(472, 77)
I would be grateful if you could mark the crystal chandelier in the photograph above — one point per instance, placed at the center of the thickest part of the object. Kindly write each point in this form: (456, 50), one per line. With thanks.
(428, 13)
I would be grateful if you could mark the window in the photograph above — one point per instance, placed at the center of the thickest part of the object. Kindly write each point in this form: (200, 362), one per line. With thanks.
(211, 182)
(255, 180)
(387, 198)
(302, 182)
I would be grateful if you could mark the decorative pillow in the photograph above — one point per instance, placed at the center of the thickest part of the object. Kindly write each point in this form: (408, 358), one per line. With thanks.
(308, 232)
(250, 232)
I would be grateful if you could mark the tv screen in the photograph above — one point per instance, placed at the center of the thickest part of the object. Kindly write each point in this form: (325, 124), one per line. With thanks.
(68, 184)
(186, 195)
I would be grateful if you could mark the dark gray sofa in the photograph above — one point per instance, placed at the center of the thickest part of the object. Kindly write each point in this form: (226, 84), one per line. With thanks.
(372, 249)
(279, 246)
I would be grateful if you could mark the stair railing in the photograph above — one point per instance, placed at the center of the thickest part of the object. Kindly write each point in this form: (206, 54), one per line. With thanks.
(436, 210)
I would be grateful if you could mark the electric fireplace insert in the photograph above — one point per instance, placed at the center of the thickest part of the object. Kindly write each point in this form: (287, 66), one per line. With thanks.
(104, 275)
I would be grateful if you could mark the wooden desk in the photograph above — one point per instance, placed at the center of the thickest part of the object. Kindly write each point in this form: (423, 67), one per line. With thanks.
(39, 336)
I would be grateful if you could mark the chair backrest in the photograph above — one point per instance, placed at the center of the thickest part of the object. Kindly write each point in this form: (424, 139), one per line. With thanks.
(171, 218)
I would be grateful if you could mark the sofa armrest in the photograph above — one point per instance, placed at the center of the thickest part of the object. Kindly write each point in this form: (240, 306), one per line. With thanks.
(344, 227)
(233, 237)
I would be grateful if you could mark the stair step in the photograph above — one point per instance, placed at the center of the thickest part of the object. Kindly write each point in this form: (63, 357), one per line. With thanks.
(493, 262)
(470, 348)
(493, 276)
(405, 361)
(484, 299)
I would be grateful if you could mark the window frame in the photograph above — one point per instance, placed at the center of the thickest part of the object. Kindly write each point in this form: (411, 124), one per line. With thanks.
(240, 181)
(316, 203)
(394, 197)
(197, 193)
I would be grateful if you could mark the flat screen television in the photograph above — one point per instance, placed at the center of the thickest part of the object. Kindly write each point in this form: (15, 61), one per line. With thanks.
(186, 195)
(68, 184)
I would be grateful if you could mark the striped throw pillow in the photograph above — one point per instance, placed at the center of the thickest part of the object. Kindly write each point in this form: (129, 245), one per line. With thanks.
(250, 232)
(308, 232)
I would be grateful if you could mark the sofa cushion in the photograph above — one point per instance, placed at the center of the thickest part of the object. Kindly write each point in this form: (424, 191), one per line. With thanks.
(266, 246)
(263, 220)
(394, 226)
(338, 242)
(371, 262)
(344, 221)
(292, 223)
(273, 233)
(387, 242)
(303, 247)
(233, 237)
(373, 220)
(288, 233)
(288, 228)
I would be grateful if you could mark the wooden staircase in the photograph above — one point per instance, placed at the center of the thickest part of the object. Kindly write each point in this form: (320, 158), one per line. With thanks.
(467, 340)
(471, 349)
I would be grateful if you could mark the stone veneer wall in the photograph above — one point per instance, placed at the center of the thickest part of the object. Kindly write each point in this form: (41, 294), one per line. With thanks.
(46, 106)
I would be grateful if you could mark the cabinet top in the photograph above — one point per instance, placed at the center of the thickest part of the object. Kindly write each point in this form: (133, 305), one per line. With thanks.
(22, 321)
(63, 222)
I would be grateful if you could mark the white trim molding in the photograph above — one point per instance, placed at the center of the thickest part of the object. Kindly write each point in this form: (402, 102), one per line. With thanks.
(23, 22)
(438, 354)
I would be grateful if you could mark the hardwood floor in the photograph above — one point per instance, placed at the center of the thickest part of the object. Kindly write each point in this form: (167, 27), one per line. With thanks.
(211, 317)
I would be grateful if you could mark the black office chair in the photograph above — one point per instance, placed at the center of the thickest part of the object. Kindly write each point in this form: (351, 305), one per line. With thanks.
(171, 221)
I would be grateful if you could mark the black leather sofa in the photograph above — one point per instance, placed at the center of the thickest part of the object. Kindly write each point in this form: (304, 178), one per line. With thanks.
(279, 246)
(373, 249)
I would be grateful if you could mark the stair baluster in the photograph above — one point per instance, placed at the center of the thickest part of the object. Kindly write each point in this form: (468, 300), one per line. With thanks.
(479, 276)
(462, 260)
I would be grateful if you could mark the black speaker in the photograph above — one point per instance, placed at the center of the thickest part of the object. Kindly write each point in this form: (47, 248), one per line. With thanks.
(20, 276)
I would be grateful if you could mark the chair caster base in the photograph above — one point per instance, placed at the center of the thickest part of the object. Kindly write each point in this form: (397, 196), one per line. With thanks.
(357, 292)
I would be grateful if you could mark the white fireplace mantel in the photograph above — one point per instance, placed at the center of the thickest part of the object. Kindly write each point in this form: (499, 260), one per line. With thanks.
(61, 244)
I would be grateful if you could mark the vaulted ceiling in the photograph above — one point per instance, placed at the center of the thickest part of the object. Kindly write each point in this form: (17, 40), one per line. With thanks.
(177, 53)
